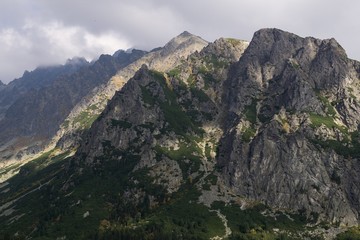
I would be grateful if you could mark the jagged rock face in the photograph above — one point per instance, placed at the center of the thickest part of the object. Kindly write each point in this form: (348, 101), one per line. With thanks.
(276, 92)
(288, 67)
(289, 172)
(34, 118)
(39, 78)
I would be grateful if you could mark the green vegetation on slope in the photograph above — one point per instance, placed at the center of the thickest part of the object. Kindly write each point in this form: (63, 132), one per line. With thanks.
(174, 114)
(85, 119)
(251, 223)
(351, 234)
(251, 112)
(187, 151)
(328, 121)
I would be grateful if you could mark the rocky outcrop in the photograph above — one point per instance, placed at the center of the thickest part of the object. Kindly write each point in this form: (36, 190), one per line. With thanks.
(280, 160)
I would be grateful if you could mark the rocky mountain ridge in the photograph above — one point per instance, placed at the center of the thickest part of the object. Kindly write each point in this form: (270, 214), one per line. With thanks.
(162, 59)
(40, 77)
(232, 140)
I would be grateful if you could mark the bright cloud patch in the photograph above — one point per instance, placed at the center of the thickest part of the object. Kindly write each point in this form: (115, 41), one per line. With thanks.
(52, 43)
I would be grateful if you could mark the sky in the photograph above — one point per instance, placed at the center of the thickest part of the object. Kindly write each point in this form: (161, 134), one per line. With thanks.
(47, 32)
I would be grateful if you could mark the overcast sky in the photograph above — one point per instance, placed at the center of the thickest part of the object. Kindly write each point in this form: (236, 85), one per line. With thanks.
(46, 32)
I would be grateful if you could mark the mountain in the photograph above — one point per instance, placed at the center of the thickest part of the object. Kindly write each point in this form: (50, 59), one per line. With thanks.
(40, 77)
(73, 102)
(162, 59)
(233, 140)
(33, 119)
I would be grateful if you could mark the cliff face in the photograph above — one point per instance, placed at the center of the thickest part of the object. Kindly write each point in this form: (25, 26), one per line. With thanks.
(291, 133)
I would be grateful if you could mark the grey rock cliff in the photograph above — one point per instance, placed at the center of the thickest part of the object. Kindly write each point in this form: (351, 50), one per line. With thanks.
(290, 83)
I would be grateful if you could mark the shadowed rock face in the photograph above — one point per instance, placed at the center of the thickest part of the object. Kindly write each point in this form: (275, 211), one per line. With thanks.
(36, 116)
(2, 85)
(34, 80)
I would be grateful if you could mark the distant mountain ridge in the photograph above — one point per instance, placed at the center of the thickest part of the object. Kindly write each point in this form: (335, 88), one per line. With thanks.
(32, 120)
(40, 77)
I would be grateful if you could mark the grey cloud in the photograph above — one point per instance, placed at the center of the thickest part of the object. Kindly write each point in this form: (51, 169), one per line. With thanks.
(151, 23)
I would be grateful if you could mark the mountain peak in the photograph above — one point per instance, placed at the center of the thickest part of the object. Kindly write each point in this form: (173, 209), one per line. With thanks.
(76, 61)
(269, 35)
(272, 31)
(186, 34)
(182, 40)
(130, 51)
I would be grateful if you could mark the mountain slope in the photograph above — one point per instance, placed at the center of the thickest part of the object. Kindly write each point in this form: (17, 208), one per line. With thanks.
(121, 167)
(161, 59)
